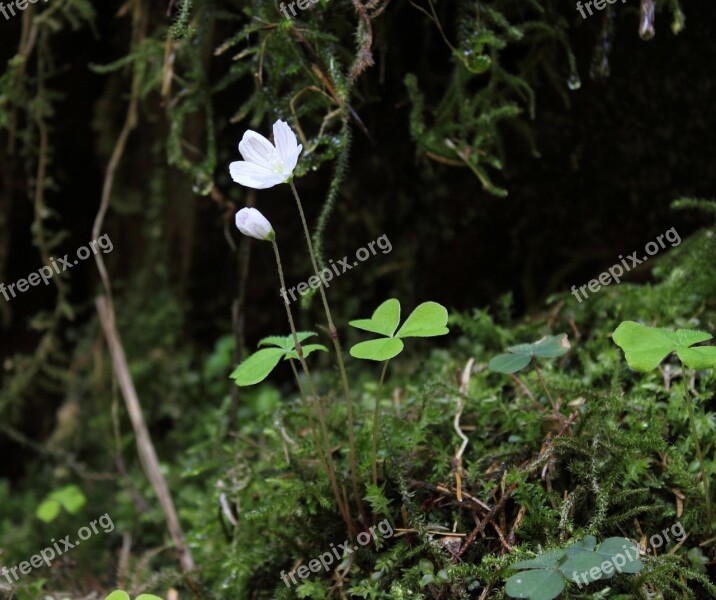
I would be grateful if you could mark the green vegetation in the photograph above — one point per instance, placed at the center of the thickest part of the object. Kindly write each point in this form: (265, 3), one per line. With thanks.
(128, 387)
(69, 497)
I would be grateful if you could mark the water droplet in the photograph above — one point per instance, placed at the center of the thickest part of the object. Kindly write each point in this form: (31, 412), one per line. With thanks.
(679, 22)
(574, 82)
(646, 22)
(599, 69)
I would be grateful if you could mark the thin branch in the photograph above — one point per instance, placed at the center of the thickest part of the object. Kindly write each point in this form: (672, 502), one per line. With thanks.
(145, 448)
(457, 461)
(105, 310)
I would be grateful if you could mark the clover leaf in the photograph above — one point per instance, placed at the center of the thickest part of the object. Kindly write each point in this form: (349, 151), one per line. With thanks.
(540, 584)
(612, 547)
(429, 319)
(381, 349)
(287, 343)
(521, 354)
(259, 365)
(645, 347)
(547, 559)
(69, 497)
(579, 563)
(586, 543)
(122, 595)
(384, 321)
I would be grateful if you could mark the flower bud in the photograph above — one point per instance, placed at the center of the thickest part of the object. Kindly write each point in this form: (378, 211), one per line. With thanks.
(251, 222)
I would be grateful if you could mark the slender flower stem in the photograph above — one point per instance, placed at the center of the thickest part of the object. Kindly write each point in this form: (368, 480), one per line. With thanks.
(311, 423)
(376, 416)
(339, 357)
(699, 454)
(328, 462)
(544, 386)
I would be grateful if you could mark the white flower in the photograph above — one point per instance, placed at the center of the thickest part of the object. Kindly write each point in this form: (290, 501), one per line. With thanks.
(252, 223)
(264, 164)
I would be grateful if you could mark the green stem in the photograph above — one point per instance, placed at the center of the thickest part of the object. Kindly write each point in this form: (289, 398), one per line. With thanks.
(328, 462)
(376, 416)
(699, 454)
(544, 386)
(311, 423)
(339, 357)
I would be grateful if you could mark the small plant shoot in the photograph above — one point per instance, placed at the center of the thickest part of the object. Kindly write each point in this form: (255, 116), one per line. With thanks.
(259, 365)
(645, 347)
(582, 562)
(427, 320)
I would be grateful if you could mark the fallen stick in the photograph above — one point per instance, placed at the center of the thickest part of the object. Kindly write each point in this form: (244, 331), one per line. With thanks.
(145, 448)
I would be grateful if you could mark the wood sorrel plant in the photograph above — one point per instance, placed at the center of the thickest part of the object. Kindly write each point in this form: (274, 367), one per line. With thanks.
(427, 320)
(645, 347)
(582, 562)
(523, 354)
(266, 165)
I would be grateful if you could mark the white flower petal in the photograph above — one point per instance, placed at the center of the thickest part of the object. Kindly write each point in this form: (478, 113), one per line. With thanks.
(251, 222)
(286, 145)
(254, 176)
(289, 163)
(256, 149)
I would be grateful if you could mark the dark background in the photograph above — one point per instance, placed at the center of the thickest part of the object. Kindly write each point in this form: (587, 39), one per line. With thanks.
(613, 157)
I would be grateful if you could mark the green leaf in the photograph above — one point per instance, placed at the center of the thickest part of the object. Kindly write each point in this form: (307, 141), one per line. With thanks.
(552, 346)
(307, 350)
(586, 543)
(614, 547)
(535, 585)
(426, 566)
(382, 349)
(257, 367)
(427, 580)
(522, 349)
(427, 320)
(286, 342)
(118, 595)
(275, 340)
(687, 337)
(384, 321)
(48, 511)
(70, 497)
(577, 567)
(701, 357)
(645, 347)
(508, 363)
(548, 347)
(550, 558)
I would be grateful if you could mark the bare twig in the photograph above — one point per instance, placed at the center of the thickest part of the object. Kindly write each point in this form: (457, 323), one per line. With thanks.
(105, 310)
(488, 519)
(457, 461)
(145, 448)
(123, 566)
